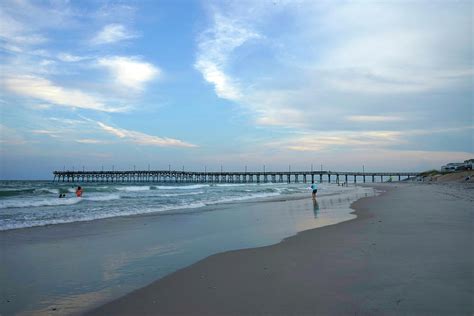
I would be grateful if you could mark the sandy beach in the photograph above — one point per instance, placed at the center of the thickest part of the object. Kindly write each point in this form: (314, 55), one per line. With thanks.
(409, 251)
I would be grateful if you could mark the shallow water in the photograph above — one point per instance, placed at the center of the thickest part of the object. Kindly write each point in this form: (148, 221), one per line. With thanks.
(72, 267)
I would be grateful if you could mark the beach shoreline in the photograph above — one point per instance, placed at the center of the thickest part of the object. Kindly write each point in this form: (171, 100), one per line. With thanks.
(402, 254)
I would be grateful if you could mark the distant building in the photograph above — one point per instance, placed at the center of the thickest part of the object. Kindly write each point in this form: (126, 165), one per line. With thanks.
(468, 163)
(452, 166)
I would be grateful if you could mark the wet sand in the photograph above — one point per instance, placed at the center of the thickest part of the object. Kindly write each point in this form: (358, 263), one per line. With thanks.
(410, 251)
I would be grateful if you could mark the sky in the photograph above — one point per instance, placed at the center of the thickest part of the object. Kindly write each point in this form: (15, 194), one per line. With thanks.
(200, 85)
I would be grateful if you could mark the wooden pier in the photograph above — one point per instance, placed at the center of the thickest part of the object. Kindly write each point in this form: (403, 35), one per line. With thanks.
(174, 176)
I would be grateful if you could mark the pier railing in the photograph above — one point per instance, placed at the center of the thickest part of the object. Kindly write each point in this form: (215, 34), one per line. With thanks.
(174, 176)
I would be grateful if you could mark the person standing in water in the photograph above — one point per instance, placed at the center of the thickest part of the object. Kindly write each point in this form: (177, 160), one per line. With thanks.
(79, 191)
(314, 187)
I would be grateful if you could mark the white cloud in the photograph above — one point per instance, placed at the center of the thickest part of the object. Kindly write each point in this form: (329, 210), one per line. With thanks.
(69, 58)
(16, 34)
(11, 48)
(276, 107)
(130, 72)
(214, 47)
(356, 140)
(316, 68)
(337, 140)
(224, 86)
(112, 33)
(54, 134)
(373, 118)
(42, 106)
(142, 138)
(91, 141)
(44, 90)
(10, 136)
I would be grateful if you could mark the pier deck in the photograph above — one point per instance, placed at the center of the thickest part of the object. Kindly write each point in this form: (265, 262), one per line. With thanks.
(174, 176)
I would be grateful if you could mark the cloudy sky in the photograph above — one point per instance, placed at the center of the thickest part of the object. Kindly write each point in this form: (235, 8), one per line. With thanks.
(200, 84)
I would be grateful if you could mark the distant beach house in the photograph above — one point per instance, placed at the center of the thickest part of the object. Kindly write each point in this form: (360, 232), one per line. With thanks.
(457, 166)
(468, 163)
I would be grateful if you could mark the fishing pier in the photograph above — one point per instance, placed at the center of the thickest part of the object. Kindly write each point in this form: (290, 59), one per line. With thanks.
(174, 176)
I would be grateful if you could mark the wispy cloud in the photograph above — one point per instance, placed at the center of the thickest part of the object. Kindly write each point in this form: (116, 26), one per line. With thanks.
(70, 58)
(91, 141)
(54, 134)
(17, 34)
(350, 140)
(373, 118)
(214, 48)
(394, 47)
(142, 138)
(10, 136)
(338, 140)
(113, 33)
(316, 68)
(44, 90)
(130, 72)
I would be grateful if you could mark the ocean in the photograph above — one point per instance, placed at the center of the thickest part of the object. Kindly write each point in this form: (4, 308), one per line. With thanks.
(70, 254)
(36, 203)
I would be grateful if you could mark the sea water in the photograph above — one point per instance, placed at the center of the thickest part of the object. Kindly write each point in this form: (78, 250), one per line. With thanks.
(69, 254)
(37, 203)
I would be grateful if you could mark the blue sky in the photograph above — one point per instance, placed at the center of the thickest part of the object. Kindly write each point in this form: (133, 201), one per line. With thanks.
(387, 85)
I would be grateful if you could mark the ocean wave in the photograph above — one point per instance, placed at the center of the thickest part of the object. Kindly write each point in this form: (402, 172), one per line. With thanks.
(109, 213)
(91, 217)
(242, 198)
(108, 197)
(181, 194)
(46, 190)
(37, 203)
(134, 188)
(162, 198)
(182, 187)
(5, 192)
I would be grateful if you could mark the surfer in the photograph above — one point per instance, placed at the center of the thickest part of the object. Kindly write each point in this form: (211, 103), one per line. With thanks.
(79, 191)
(314, 187)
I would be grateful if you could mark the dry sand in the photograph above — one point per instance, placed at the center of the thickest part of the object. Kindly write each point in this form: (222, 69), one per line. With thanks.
(410, 251)
(460, 176)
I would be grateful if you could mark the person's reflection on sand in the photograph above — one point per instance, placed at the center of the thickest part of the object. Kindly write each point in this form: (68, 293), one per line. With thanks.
(315, 208)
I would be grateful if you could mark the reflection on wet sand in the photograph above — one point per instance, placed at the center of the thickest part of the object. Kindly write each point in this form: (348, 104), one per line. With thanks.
(315, 208)
(70, 304)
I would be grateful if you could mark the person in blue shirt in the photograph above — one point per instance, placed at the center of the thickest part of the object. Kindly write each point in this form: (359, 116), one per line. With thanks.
(314, 187)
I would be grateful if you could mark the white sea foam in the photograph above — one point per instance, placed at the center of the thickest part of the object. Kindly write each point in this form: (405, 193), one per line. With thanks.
(182, 187)
(134, 188)
(46, 190)
(17, 203)
(181, 194)
(242, 198)
(94, 216)
(230, 184)
(108, 197)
